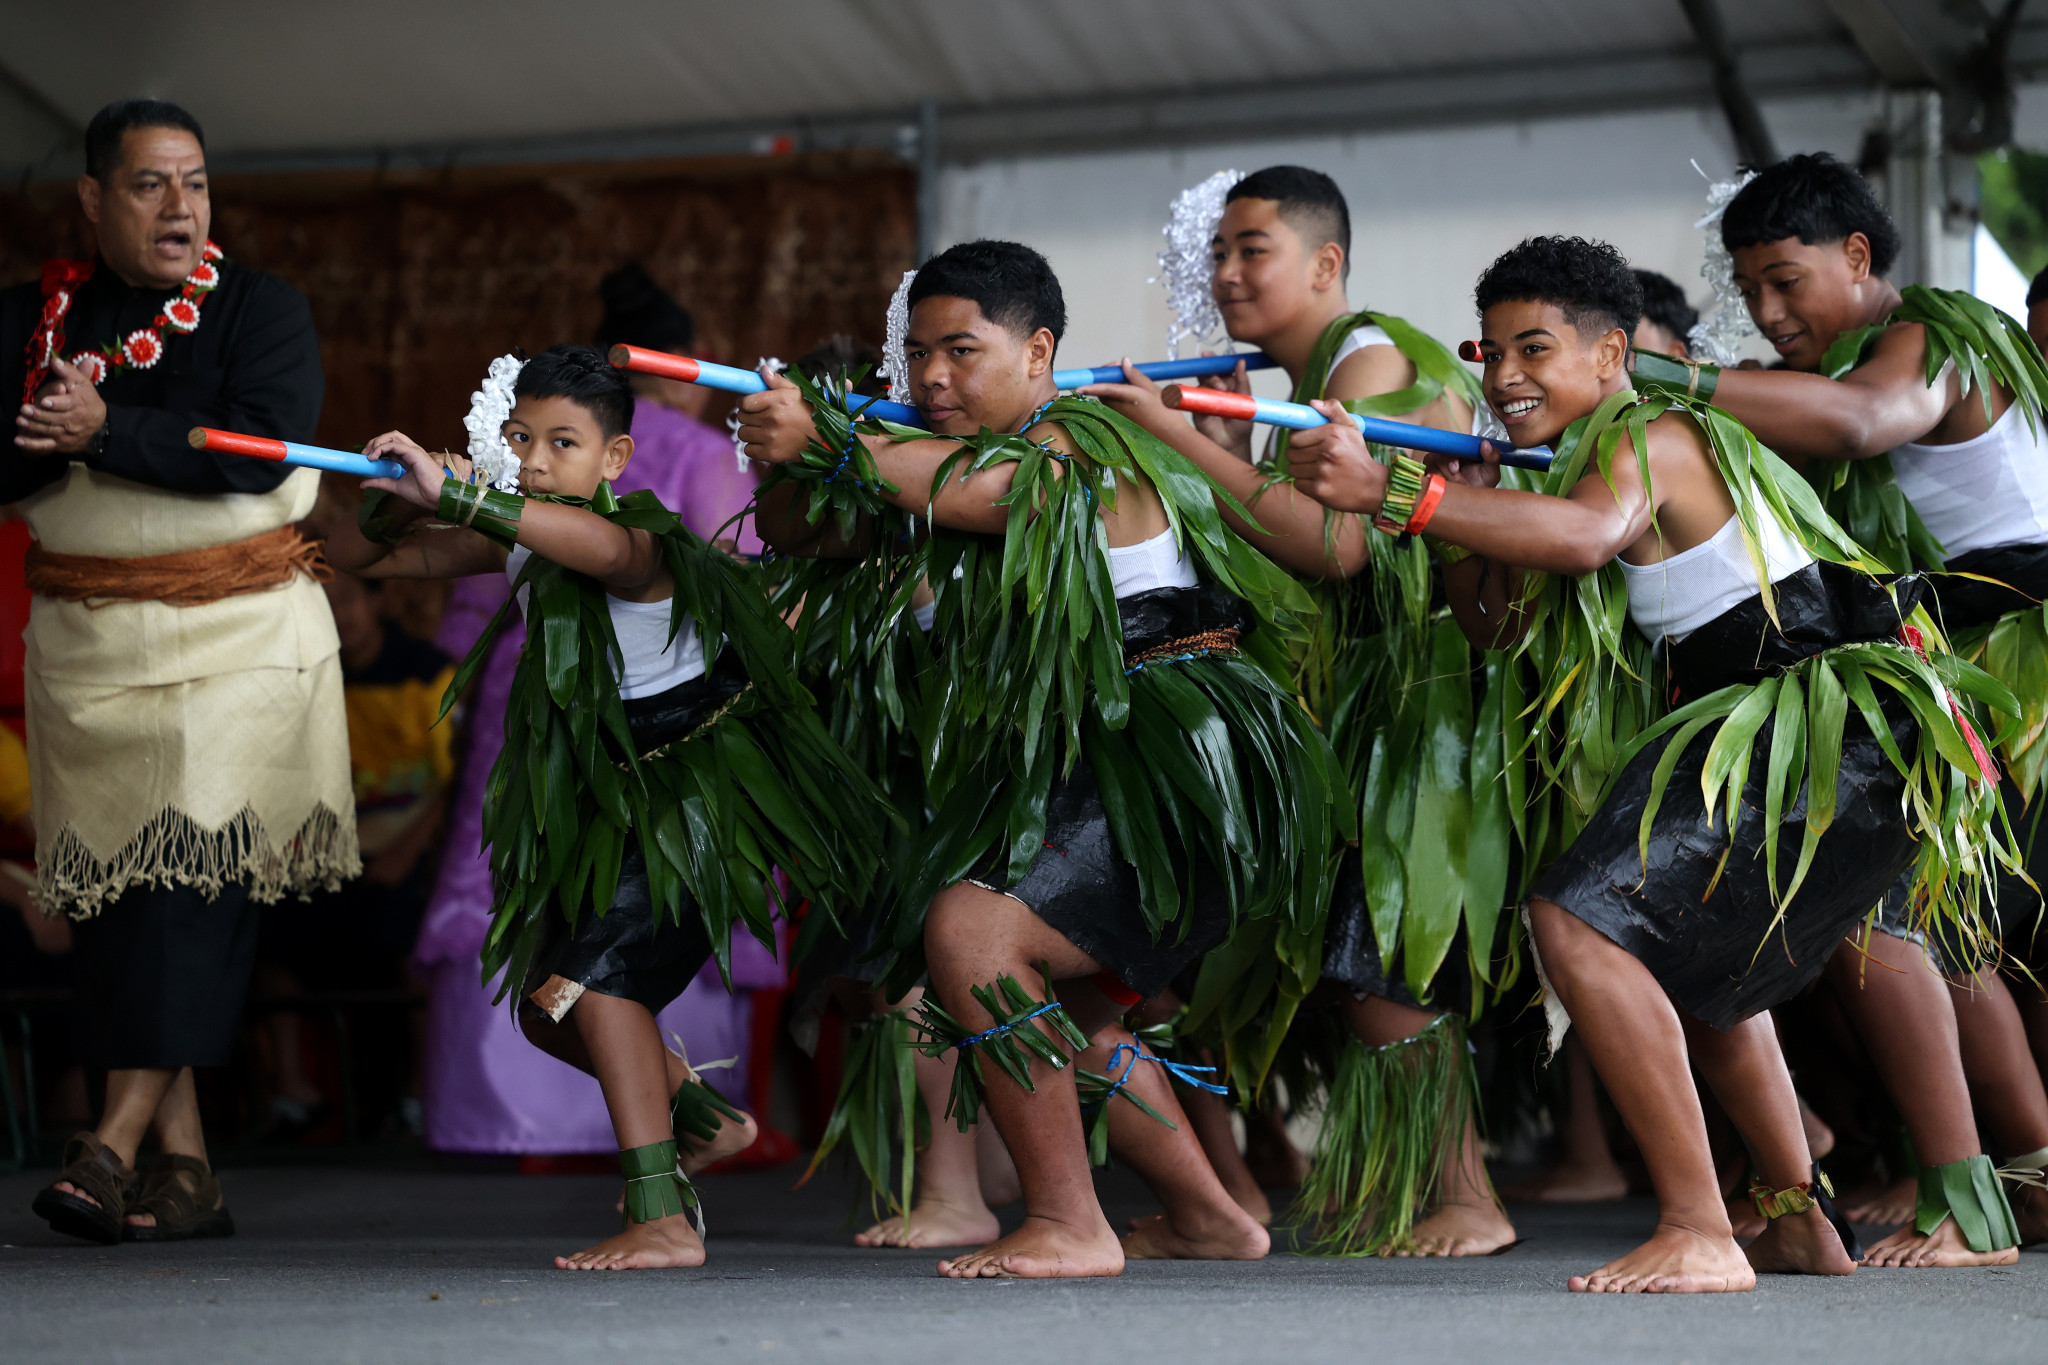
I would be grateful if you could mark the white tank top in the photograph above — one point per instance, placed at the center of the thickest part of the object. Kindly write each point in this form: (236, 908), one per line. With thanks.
(1986, 491)
(1154, 563)
(1673, 598)
(649, 664)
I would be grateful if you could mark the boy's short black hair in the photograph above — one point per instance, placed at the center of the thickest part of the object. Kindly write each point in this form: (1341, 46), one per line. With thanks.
(1664, 304)
(639, 312)
(103, 135)
(584, 377)
(1816, 198)
(1590, 281)
(1309, 202)
(1013, 285)
(2038, 290)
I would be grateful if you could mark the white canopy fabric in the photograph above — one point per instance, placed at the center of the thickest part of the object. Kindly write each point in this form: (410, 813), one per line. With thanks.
(273, 79)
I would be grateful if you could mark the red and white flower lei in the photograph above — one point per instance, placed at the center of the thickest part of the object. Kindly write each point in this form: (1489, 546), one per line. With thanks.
(140, 349)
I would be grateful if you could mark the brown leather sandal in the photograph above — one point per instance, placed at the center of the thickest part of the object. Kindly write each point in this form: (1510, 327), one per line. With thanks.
(182, 1211)
(92, 1167)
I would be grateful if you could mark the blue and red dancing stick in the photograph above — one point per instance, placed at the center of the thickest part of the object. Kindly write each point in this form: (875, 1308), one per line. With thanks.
(1300, 416)
(291, 452)
(732, 379)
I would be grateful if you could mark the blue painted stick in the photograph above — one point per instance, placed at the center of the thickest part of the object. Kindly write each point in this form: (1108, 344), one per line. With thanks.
(1300, 416)
(291, 452)
(1196, 367)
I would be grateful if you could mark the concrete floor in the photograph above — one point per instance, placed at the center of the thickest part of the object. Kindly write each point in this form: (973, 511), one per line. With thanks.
(435, 1265)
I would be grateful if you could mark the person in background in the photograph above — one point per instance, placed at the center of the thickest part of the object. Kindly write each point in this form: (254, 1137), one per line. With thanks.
(402, 762)
(1667, 318)
(688, 463)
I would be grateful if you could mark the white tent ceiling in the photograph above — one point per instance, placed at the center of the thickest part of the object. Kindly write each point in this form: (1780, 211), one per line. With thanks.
(282, 83)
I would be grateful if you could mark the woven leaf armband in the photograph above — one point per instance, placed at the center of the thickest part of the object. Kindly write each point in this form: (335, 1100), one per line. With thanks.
(1686, 378)
(483, 509)
(1007, 1042)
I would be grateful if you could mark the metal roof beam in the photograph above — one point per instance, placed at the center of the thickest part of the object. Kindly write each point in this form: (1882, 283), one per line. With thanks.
(1417, 99)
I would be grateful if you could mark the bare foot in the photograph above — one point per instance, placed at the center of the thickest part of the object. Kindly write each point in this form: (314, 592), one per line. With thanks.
(933, 1223)
(1245, 1192)
(1458, 1230)
(1674, 1261)
(1887, 1204)
(1744, 1219)
(1157, 1239)
(1799, 1244)
(731, 1139)
(1945, 1247)
(1043, 1249)
(662, 1244)
(1571, 1183)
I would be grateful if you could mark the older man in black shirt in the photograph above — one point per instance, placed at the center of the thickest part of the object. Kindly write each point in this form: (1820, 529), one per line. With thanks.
(186, 736)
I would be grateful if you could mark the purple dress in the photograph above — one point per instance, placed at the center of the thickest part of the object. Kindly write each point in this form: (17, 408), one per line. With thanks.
(484, 1087)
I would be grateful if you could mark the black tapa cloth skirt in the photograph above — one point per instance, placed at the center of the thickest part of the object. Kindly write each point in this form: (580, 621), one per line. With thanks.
(633, 950)
(1720, 957)
(2021, 572)
(1351, 953)
(1079, 883)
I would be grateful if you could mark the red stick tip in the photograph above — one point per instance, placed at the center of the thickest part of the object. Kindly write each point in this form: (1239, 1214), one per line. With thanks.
(1214, 402)
(640, 360)
(235, 443)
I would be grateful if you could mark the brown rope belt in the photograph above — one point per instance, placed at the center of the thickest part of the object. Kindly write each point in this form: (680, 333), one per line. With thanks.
(189, 578)
(1195, 646)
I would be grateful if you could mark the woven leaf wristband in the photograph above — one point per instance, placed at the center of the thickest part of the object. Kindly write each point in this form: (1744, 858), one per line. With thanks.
(1406, 477)
(1685, 377)
(483, 509)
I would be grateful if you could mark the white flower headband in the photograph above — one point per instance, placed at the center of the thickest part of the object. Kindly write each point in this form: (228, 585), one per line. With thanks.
(491, 459)
(1187, 264)
(1718, 337)
(895, 340)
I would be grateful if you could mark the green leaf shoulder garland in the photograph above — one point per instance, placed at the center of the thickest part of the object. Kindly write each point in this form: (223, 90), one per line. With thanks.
(1987, 348)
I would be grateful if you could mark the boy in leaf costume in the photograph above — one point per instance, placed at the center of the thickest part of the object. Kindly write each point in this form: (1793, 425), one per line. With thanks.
(1709, 884)
(1115, 779)
(1919, 414)
(660, 760)
(1391, 678)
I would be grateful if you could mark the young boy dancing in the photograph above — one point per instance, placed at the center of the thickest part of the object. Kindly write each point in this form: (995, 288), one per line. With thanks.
(1114, 781)
(1389, 675)
(1942, 464)
(659, 762)
(1675, 918)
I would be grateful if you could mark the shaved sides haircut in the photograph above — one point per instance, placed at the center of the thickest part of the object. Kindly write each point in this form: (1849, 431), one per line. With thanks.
(1309, 202)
